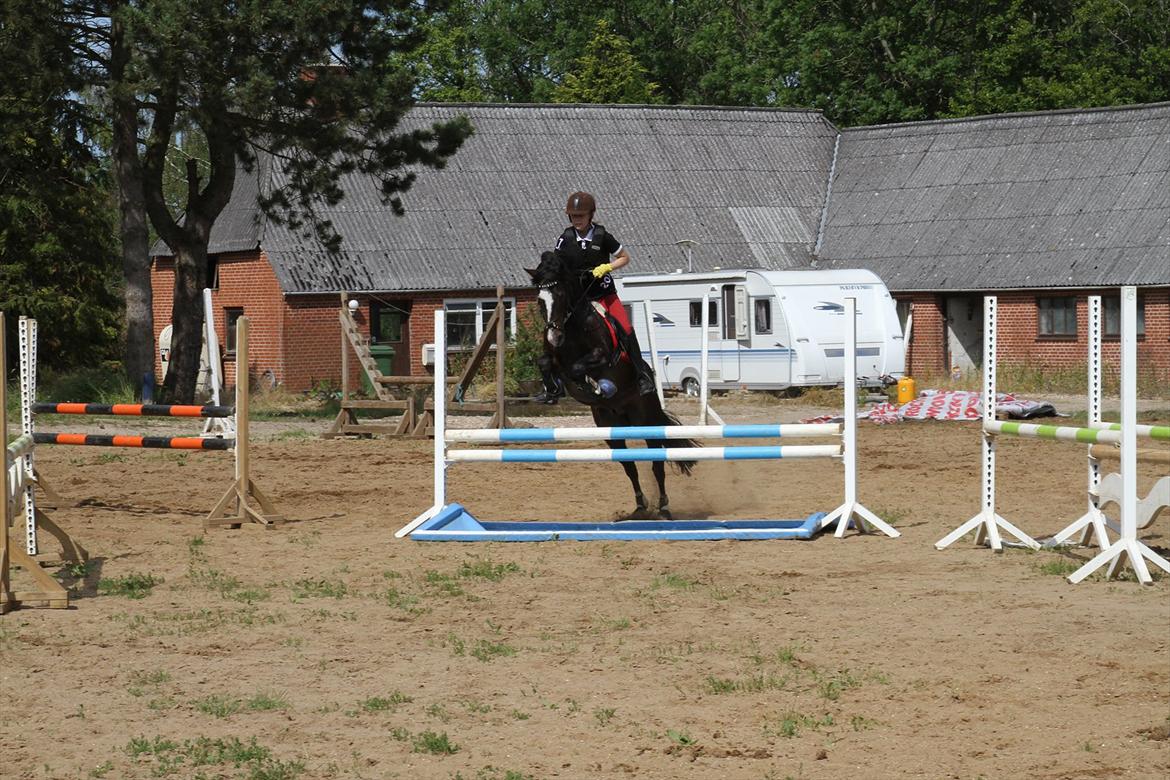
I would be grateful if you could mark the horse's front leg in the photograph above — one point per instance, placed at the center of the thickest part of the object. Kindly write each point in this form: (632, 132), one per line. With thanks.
(591, 361)
(631, 470)
(659, 469)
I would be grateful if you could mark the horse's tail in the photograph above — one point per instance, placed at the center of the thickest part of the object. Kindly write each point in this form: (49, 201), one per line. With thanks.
(683, 467)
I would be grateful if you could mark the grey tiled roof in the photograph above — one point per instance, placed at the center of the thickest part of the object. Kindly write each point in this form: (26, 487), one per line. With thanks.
(1059, 199)
(747, 184)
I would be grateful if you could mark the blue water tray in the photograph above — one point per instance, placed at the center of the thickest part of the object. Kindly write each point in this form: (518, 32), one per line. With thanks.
(453, 523)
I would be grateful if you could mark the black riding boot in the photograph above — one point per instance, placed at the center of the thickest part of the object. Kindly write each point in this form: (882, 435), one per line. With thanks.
(647, 384)
(553, 391)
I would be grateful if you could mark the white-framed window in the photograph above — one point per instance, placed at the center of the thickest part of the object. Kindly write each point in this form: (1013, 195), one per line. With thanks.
(467, 317)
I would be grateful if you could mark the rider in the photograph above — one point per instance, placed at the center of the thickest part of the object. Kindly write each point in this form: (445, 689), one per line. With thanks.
(590, 247)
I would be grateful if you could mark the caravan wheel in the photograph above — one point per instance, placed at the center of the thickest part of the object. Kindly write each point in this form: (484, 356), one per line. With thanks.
(690, 386)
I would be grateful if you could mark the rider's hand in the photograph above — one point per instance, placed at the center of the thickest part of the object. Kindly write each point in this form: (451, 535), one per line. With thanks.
(602, 270)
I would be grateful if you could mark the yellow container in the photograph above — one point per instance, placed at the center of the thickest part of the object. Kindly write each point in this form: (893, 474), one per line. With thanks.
(906, 390)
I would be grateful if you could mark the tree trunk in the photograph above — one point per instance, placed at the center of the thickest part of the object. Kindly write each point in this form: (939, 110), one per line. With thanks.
(187, 322)
(139, 349)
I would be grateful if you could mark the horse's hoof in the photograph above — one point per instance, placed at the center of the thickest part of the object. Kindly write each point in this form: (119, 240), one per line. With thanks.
(664, 514)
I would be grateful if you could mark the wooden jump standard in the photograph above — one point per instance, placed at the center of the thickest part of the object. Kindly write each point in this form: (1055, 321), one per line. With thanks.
(417, 418)
(18, 492)
(233, 508)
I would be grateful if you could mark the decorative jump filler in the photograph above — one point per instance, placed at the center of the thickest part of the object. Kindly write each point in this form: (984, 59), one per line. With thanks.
(233, 509)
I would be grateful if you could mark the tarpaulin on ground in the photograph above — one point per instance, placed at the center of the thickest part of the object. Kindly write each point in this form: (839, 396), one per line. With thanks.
(949, 405)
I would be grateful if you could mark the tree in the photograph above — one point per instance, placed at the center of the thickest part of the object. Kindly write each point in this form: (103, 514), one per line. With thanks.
(57, 253)
(606, 73)
(318, 87)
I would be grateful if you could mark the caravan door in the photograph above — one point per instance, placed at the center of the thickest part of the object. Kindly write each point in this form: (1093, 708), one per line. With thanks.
(733, 333)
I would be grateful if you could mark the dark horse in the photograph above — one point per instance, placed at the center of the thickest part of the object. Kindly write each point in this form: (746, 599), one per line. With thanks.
(580, 350)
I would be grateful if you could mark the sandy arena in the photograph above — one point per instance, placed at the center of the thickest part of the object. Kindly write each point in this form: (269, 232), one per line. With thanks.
(345, 653)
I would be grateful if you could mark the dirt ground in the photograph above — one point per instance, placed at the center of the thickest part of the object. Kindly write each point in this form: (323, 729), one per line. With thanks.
(326, 648)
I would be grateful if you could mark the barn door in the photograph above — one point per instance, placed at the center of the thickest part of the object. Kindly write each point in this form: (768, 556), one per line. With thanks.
(964, 332)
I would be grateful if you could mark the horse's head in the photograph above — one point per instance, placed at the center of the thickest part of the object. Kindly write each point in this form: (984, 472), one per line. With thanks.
(559, 288)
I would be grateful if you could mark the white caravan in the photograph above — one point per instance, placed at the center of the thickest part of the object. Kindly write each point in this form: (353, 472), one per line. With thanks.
(767, 330)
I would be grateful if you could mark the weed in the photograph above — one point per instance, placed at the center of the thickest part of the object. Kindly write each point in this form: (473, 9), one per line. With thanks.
(444, 583)
(604, 715)
(1060, 567)
(831, 688)
(110, 457)
(680, 737)
(438, 712)
(618, 624)
(140, 680)
(486, 651)
(790, 724)
(458, 647)
(860, 723)
(101, 769)
(171, 757)
(519, 715)
(310, 588)
(430, 742)
(755, 683)
(675, 581)
(384, 703)
(132, 586)
(487, 570)
(267, 701)
(476, 706)
(218, 705)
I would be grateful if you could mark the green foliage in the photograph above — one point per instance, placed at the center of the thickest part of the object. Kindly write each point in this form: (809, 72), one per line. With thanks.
(174, 758)
(606, 73)
(520, 361)
(58, 258)
(131, 586)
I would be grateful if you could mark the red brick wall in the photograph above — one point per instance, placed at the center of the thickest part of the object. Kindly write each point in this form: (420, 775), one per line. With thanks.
(1019, 342)
(246, 281)
(927, 354)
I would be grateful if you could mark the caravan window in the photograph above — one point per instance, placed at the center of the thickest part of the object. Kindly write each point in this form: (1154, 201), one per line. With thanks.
(763, 315)
(696, 310)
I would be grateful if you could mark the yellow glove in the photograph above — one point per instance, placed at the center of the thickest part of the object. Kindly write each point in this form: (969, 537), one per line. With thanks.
(602, 270)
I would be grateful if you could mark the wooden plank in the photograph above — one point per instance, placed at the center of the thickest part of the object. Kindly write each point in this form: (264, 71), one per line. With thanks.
(383, 405)
(412, 380)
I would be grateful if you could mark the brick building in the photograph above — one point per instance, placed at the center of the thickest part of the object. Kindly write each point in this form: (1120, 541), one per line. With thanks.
(1044, 209)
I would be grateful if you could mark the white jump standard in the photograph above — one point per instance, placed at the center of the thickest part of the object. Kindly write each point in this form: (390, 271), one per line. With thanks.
(987, 523)
(443, 521)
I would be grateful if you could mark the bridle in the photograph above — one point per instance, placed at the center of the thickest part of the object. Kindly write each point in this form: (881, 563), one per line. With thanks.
(559, 326)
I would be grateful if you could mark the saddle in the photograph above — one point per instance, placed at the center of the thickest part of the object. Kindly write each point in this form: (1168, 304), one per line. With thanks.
(616, 342)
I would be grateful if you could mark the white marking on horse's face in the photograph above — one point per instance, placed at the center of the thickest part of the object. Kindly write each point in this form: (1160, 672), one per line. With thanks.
(546, 303)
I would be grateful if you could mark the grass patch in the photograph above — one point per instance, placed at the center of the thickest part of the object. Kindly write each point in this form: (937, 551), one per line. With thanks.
(437, 744)
(294, 434)
(384, 703)
(756, 683)
(485, 650)
(264, 702)
(792, 723)
(218, 705)
(168, 757)
(680, 738)
(485, 569)
(131, 586)
(1059, 566)
(674, 581)
(311, 588)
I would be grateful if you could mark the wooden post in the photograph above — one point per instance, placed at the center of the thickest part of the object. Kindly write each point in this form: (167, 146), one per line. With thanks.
(344, 358)
(242, 486)
(5, 589)
(500, 419)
